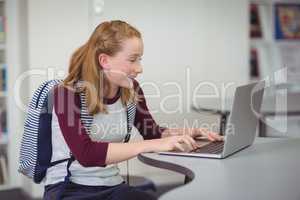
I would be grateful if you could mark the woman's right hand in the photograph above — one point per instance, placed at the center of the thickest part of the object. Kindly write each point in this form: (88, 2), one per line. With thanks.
(183, 143)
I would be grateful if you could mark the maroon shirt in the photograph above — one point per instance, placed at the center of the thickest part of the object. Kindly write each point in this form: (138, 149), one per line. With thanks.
(87, 152)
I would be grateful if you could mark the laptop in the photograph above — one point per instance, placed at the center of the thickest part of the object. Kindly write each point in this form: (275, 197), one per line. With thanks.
(240, 130)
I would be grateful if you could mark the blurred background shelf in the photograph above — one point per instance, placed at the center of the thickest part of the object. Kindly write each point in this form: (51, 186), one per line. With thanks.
(4, 138)
(271, 57)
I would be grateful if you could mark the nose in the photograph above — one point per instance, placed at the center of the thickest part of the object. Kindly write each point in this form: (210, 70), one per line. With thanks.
(138, 69)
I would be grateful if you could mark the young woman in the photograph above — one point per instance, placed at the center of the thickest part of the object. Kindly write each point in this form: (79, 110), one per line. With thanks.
(103, 70)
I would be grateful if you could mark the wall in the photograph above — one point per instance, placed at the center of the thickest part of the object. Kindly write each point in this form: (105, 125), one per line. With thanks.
(55, 29)
(186, 43)
(17, 62)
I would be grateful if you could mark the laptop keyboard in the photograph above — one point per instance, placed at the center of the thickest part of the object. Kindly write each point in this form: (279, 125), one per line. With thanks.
(211, 148)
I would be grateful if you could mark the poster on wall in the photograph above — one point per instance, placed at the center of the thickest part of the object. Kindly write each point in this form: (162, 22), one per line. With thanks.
(254, 66)
(255, 25)
(287, 20)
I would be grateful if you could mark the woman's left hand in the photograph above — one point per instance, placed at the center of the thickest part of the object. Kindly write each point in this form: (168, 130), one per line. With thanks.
(196, 133)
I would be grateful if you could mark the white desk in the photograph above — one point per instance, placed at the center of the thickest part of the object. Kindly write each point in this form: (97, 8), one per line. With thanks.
(269, 169)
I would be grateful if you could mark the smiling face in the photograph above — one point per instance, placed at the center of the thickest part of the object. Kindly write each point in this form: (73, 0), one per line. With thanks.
(125, 64)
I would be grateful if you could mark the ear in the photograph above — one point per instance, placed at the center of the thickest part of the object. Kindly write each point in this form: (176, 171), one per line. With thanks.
(103, 60)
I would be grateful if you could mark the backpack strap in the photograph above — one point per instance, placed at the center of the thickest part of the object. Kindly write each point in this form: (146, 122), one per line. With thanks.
(67, 178)
(85, 117)
(130, 110)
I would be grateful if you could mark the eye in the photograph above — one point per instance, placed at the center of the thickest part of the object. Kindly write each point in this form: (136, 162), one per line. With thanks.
(135, 59)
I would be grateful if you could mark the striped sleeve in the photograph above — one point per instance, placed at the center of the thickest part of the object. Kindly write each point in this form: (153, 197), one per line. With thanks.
(144, 121)
(67, 108)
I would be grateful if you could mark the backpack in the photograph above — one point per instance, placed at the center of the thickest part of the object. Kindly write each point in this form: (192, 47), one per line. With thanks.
(36, 144)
